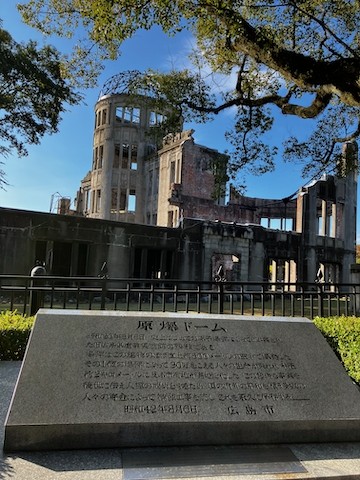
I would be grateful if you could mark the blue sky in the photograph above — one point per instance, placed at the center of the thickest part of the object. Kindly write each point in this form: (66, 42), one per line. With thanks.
(58, 164)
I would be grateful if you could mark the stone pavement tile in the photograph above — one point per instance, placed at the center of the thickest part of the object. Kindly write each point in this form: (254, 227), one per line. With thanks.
(318, 461)
(330, 461)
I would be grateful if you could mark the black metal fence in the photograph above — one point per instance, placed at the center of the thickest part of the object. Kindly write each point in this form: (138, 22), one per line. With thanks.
(26, 294)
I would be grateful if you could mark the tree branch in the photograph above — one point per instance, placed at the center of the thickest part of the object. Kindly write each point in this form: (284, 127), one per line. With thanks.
(318, 105)
(350, 137)
(325, 27)
(340, 77)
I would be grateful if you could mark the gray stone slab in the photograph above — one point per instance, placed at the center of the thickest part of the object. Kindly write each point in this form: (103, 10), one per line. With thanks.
(64, 465)
(119, 379)
(148, 464)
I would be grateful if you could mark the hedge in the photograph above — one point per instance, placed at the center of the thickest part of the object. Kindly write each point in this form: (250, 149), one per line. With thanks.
(14, 334)
(343, 335)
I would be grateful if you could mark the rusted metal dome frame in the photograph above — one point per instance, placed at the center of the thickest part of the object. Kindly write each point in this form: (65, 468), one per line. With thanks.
(130, 82)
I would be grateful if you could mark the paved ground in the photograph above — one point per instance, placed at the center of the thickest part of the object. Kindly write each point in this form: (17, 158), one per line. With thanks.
(302, 462)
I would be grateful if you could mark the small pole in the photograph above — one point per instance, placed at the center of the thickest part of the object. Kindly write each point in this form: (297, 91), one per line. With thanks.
(36, 296)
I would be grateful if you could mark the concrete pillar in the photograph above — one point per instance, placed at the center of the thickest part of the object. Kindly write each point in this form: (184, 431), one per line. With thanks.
(293, 273)
(311, 265)
(333, 216)
(324, 218)
(287, 271)
(312, 220)
(106, 178)
(256, 262)
(273, 273)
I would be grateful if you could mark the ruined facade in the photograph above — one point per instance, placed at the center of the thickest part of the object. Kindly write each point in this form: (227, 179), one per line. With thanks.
(318, 243)
(132, 180)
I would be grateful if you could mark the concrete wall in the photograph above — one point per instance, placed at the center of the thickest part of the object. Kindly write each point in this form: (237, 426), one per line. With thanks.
(79, 246)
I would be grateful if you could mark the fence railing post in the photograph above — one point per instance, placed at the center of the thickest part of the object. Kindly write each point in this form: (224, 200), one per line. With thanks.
(320, 300)
(220, 298)
(103, 293)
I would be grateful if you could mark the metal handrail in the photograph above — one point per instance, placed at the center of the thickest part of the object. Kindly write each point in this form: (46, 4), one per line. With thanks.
(26, 294)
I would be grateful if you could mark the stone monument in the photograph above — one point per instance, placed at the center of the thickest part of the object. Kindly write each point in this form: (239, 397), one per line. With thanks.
(121, 379)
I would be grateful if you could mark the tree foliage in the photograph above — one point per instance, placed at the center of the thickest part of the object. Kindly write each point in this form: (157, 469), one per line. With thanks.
(33, 94)
(294, 57)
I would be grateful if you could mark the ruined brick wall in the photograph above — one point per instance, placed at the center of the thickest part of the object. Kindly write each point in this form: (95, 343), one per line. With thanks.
(207, 209)
(186, 178)
(197, 176)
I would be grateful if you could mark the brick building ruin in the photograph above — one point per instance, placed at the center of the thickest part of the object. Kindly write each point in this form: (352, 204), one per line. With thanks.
(161, 212)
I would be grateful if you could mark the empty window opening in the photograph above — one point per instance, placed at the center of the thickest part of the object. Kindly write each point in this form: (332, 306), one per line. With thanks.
(118, 114)
(136, 115)
(103, 121)
(82, 259)
(125, 155)
(281, 271)
(116, 162)
(156, 119)
(95, 159)
(61, 259)
(98, 200)
(87, 200)
(114, 197)
(326, 224)
(101, 156)
(285, 224)
(127, 115)
(172, 172)
(134, 151)
(132, 201)
(93, 201)
(170, 222)
(122, 203)
(40, 250)
(156, 263)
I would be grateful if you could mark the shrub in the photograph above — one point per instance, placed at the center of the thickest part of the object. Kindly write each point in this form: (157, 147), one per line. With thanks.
(14, 334)
(343, 335)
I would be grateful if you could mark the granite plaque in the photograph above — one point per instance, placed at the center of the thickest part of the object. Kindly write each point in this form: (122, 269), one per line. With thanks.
(122, 379)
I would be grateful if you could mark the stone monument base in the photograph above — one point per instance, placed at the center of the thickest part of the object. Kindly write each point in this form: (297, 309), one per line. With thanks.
(336, 461)
(122, 379)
